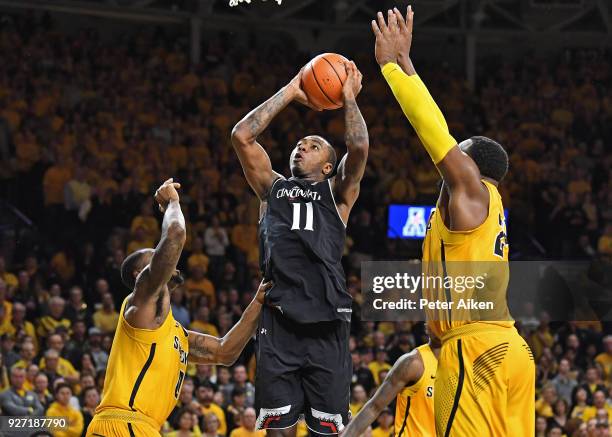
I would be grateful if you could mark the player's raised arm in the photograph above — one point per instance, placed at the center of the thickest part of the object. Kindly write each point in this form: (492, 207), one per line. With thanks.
(352, 165)
(460, 173)
(173, 235)
(148, 271)
(253, 158)
(206, 349)
(407, 370)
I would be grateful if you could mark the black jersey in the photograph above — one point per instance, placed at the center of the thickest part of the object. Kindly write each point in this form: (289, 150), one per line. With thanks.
(301, 238)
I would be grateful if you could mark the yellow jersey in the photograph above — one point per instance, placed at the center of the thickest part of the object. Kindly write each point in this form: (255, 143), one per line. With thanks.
(414, 406)
(474, 268)
(145, 369)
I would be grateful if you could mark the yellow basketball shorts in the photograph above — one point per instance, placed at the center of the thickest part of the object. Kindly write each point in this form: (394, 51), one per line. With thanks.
(104, 425)
(485, 383)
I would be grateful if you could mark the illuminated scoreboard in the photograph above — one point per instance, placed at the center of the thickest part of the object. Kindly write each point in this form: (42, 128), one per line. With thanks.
(410, 221)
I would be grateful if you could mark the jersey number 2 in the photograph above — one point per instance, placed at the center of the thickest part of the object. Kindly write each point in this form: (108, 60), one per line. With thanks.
(502, 239)
(297, 207)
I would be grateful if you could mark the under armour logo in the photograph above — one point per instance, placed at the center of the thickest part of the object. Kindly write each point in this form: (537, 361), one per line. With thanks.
(263, 331)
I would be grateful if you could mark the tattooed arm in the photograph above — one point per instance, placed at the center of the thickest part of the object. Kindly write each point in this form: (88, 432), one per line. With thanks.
(406, 371)
(206, 349)
(150, 303)
(352, 165)
(253, 158)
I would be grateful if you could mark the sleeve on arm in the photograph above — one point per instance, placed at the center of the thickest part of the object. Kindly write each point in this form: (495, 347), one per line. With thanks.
(421, 110)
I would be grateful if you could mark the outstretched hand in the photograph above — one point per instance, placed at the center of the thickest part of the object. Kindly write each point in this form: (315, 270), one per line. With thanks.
(166, 193)
(394, 37)
(352, 84)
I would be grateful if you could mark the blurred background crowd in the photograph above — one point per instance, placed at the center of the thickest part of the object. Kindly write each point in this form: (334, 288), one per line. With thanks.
(90, 126)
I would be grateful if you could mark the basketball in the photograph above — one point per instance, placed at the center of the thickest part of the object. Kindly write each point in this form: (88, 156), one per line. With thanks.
(322, 80)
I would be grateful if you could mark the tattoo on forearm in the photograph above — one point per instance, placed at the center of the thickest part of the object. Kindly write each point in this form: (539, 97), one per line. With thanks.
(259, 118)
(200, 349)
(168, 249)
(356, 129)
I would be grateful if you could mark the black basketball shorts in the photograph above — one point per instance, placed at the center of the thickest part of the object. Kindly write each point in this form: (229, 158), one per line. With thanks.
(302, 368)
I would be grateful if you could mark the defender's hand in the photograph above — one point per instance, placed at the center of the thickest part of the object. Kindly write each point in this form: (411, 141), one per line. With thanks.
(352, 85)
(394, 37)
(262, 290)
(404, 40)
(167, 193)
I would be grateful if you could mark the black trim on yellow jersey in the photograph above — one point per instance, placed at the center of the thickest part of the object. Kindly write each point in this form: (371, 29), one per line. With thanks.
(447, 291)
(485, 366)
(458, 392)
(141, 375)
(405, 416)
(131, 430)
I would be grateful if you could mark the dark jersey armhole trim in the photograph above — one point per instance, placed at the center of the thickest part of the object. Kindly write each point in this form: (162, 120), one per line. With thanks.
(331, 190)
(266, 198)
(272, 186)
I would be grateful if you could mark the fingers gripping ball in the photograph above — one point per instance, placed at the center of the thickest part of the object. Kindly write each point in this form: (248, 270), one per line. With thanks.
(322, 80)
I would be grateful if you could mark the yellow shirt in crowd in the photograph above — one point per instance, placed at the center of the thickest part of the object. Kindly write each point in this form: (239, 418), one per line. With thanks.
(149, 224)
(198, 259)
(591, 412)
(48, 324)
(605, 360)
(74, 416)
(204, 328)
(355, 408)
(53, 184)
(64, 367)
(243, 432)
(106, 321)
(376, 367)
(203, 286)
(543, 408)
(217, 411)
(380, 432)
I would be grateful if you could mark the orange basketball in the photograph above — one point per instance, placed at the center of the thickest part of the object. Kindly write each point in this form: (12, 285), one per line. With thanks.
(322, 80)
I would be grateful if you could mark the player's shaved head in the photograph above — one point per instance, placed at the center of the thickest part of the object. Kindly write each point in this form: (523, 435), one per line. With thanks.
(331, 152)
(489, 156)
(133, 265)
(324, 162)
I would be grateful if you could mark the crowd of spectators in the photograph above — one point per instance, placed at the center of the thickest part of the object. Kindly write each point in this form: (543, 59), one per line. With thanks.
(90, 124)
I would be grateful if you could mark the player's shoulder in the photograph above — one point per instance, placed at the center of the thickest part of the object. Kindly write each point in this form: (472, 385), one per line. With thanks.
(276, 179)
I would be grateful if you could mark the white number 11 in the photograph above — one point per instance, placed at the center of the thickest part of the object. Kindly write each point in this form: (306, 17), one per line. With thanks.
(296, 216)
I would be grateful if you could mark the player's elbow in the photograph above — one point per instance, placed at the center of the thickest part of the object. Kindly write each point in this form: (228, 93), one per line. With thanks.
(225, 354)
(226, 358)
(241, 136)
(228, 361)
